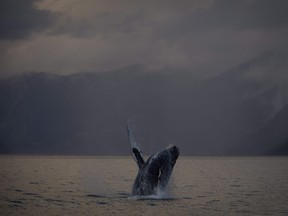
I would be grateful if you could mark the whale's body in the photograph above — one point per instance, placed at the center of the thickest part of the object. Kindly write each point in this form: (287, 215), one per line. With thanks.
(154, 174)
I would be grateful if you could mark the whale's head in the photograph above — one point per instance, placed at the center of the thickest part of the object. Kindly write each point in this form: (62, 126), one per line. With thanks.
(174, 152)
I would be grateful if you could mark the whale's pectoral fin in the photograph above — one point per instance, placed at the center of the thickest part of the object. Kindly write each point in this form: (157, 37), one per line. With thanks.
(137, 155)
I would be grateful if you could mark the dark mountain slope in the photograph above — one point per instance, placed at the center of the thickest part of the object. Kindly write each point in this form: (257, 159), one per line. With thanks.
(86, 113)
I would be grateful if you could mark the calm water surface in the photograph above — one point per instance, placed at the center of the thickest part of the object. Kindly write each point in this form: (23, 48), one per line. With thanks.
(65, 185)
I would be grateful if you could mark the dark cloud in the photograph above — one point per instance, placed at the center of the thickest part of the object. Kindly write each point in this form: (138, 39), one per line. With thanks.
(19, 18)
(125, 17)
(105, 23)
(204, 37)
(250, 13)
(230, 15)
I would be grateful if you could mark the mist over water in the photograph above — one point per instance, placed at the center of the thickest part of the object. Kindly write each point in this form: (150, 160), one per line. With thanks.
(95, 172)
(93, 181)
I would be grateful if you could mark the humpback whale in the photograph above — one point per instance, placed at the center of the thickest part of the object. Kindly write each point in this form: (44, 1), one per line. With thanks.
(154, 174)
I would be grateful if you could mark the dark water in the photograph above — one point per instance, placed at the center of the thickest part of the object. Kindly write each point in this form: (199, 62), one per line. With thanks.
(63, 185)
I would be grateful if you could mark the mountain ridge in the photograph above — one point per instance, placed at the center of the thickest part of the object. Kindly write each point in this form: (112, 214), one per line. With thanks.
(86, 113)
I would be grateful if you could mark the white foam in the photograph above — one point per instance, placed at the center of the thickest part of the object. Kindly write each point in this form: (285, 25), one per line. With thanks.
(160, 195)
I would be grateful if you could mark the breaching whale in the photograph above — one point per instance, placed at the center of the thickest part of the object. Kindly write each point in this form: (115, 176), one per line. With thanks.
(154, 174)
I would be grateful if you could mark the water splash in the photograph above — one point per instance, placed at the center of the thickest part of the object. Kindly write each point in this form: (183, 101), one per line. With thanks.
(160, 195)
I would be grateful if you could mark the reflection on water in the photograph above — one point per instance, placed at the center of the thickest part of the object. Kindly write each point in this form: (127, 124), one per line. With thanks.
(54, 185)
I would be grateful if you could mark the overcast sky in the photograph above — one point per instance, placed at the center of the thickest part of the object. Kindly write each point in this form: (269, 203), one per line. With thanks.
(202, 36)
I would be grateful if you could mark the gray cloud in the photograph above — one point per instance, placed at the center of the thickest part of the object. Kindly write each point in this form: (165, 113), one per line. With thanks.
(18, 19)
(105, 23)
(200, 36)
(125, 17)
(230, 15)
(171, 20)
(260, 14)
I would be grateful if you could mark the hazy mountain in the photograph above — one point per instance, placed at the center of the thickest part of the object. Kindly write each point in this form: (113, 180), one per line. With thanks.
(222, 112)
(81, 113)
(239, 112)
(272, 138)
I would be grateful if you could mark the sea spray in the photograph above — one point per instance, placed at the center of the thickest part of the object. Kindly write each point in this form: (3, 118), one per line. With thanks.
(92, 178)
(166, 194)
(160, 195)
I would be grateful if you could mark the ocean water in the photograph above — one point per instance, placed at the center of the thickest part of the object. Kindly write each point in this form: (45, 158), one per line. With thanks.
(82, 185)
